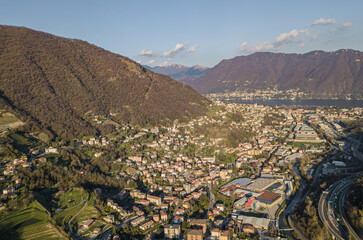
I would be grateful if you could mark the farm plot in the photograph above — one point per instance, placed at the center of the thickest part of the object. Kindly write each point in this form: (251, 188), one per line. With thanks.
(29, 223)
(69, 204)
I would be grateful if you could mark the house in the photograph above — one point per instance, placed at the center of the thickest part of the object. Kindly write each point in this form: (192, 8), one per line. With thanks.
(98, 154)
(154, 199)
(164, 206)
(195, 234)
(178, 219)
(224, 235)
(202, 223)
(136, 158)
(172, 231)
(147, 225)
(220, 207)
(9, 190)
(87, 223)
(51, 150)
(156, 217)
(137, 194)
(137, 221)
(110, 218)
(186, 205)
(42, 160)
(180, 211)
(215, 233)
(163, 215)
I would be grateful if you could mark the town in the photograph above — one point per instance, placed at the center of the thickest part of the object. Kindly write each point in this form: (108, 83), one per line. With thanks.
(231, 174)
(272, 93)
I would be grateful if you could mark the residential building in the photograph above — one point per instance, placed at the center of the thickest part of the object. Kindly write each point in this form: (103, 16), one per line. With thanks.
(195, 234)
(172, 231)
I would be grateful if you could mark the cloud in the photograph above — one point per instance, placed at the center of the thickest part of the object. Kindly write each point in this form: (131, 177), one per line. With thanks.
(192, 49)
(266, 46)
(290, 36)
(148, 53)
(243, 45)
(174, 51)
(279, 42)
(345, 25)
(151, 62)
(180, 48)
(296, 37)
(322, 21)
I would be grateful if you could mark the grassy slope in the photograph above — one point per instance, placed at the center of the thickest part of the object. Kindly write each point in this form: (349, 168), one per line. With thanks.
(28, 223)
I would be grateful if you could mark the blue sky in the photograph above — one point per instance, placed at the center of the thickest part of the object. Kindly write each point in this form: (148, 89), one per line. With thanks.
(204, 32)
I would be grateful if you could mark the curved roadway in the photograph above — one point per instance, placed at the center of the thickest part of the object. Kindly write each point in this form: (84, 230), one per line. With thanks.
(327, 208)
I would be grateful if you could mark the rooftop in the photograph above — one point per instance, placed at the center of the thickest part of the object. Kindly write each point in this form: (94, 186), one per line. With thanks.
(239, 181)
(195, 232)
(261, 183)
(269, 196)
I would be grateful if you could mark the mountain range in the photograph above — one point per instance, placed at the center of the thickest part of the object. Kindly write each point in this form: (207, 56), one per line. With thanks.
(320, 74)
(180, 72)
(59, 84)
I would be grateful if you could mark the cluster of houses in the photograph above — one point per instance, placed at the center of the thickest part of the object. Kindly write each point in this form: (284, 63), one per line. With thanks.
(256, 177)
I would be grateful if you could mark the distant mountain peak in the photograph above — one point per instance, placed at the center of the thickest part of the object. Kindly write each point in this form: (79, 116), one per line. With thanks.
(176, 66)
(178, 71)
(200, 67)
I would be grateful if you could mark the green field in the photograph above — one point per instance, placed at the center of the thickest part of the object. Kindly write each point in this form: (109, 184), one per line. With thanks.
(69, 204)
(21, 142)
(89, 212)
(29, 223)
(8, 120)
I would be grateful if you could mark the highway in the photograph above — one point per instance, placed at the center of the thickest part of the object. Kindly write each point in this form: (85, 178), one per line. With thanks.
(328, 204)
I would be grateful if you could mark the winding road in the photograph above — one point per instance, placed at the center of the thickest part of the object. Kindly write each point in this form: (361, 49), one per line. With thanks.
(75, 236)
(328, 204)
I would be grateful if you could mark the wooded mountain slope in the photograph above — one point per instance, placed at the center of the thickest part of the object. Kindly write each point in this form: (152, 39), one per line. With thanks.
(323, 74)
(52, 82)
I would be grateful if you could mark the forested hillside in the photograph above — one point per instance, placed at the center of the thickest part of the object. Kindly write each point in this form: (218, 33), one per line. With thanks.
(53, 83)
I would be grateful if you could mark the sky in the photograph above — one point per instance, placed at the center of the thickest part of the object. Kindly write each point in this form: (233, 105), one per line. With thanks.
(195, 32)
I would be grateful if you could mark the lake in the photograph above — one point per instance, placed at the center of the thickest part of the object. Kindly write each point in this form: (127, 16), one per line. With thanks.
(304, 102)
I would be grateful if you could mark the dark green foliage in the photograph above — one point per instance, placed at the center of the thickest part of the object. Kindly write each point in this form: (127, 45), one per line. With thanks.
(306, 220)
(354, 206)
(52, 82)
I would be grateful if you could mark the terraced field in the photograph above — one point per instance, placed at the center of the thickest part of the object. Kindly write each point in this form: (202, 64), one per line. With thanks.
(8, 120)
(69, 203)
(89, 212)
(30, 223)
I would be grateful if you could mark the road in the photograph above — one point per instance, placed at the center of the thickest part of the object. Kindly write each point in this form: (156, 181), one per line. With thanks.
(106, 235)
(75, 236)
(327, 206)
(297, 198)
(211, 199)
